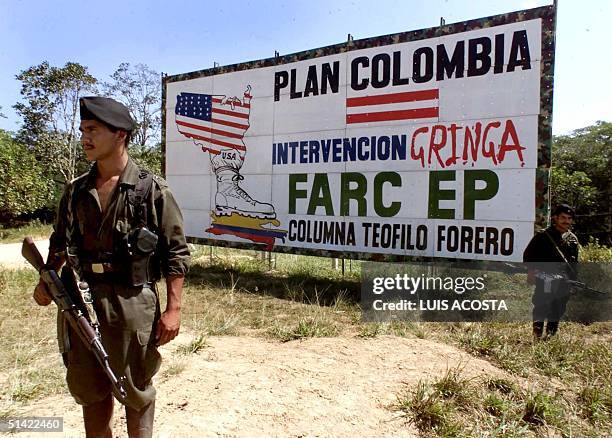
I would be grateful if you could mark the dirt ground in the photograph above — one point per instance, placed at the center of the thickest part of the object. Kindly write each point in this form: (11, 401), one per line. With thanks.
(249, 386)
(10, 254)
(243, 386)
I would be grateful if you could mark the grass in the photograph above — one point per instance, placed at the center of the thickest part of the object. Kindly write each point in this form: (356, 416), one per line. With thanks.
(237, 295)
(298, 297)
(312, 327)
(453, 386)
(595, 252)
(173, 366)
(427, 411)
(35, 229)
(596, 404)
(578, 360)
(454, 405)
(195, 346)
(392, 328)
(30, 366)
(541, 408)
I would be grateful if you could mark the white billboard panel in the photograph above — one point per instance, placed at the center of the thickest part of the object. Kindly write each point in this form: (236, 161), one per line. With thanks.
(423, 144)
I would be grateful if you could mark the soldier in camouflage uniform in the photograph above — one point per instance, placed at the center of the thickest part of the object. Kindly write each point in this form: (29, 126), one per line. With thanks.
(98, 231)
(552, 252)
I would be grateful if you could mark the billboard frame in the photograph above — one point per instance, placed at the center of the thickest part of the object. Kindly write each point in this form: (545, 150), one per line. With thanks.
(542, 178)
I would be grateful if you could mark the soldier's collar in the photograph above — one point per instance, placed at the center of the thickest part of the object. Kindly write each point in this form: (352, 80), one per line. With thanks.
(129, 176)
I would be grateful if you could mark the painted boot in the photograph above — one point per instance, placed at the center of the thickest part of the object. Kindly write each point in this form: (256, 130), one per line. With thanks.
(231, 198)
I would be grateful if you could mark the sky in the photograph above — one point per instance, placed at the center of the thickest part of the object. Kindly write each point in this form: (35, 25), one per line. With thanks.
(182, 36)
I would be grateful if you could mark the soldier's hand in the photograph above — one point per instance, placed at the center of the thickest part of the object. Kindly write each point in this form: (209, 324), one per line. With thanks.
(41, 294)
(168, 326)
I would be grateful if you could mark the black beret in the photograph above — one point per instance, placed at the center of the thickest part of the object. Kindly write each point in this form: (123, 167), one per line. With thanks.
(563, 208)
(108, 111)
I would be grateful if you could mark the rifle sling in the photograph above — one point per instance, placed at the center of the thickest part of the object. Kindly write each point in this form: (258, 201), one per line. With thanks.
(560, 252)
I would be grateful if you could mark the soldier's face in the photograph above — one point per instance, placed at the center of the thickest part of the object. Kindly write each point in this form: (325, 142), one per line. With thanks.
(98, 141)
(563, 222)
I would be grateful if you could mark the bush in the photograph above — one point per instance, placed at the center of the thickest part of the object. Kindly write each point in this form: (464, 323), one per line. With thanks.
(594, 252)
(22, 189)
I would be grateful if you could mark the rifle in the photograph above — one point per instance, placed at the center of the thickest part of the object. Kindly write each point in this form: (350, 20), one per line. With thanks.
(578, 285)
(73, 314)
(550, 280)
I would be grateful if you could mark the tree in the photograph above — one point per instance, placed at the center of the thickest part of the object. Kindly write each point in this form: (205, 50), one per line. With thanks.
(139, 88)
(50, 115)
(573, 188)
(585, 156)
(22, 190)
(148, 157)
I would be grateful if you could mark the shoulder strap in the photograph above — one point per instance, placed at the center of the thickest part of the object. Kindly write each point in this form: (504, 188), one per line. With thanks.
(573, 271)
(72, 227)
(72, 255)
(140, 193)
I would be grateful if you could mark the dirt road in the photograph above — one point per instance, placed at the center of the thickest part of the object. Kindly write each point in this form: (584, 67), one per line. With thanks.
(10, 254)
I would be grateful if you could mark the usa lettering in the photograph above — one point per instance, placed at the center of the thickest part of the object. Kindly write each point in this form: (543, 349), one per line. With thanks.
(228, 155)
(468, 58)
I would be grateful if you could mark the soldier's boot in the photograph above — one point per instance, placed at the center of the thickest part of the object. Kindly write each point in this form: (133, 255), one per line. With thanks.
(97, 418)
(551, 328)
(140, 422)
(538, 330)
(232, 198)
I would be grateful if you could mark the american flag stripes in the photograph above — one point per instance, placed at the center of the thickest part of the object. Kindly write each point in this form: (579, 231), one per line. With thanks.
(221, 125)
(422, 104)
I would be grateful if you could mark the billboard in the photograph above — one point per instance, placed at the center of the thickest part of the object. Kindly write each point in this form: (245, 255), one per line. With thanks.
(424, 144)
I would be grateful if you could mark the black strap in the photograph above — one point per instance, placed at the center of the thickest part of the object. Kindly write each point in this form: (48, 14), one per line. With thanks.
(138, 196)
(573, 271)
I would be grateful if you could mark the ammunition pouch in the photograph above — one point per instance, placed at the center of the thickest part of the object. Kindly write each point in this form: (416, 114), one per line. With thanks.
(141, 241)
(140, 245)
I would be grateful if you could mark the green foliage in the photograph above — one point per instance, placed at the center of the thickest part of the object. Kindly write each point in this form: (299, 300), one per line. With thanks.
(50, 113)
(496, 405)
(573, 188)
(582, 175)
(453, 386)
(148, 157)
(139, 88)
(502, 385)
(586, 149)
(22, 189)
(595, 252)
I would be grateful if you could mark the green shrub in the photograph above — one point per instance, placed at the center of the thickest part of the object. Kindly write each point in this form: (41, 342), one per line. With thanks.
(22, 190)
(594, 252)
